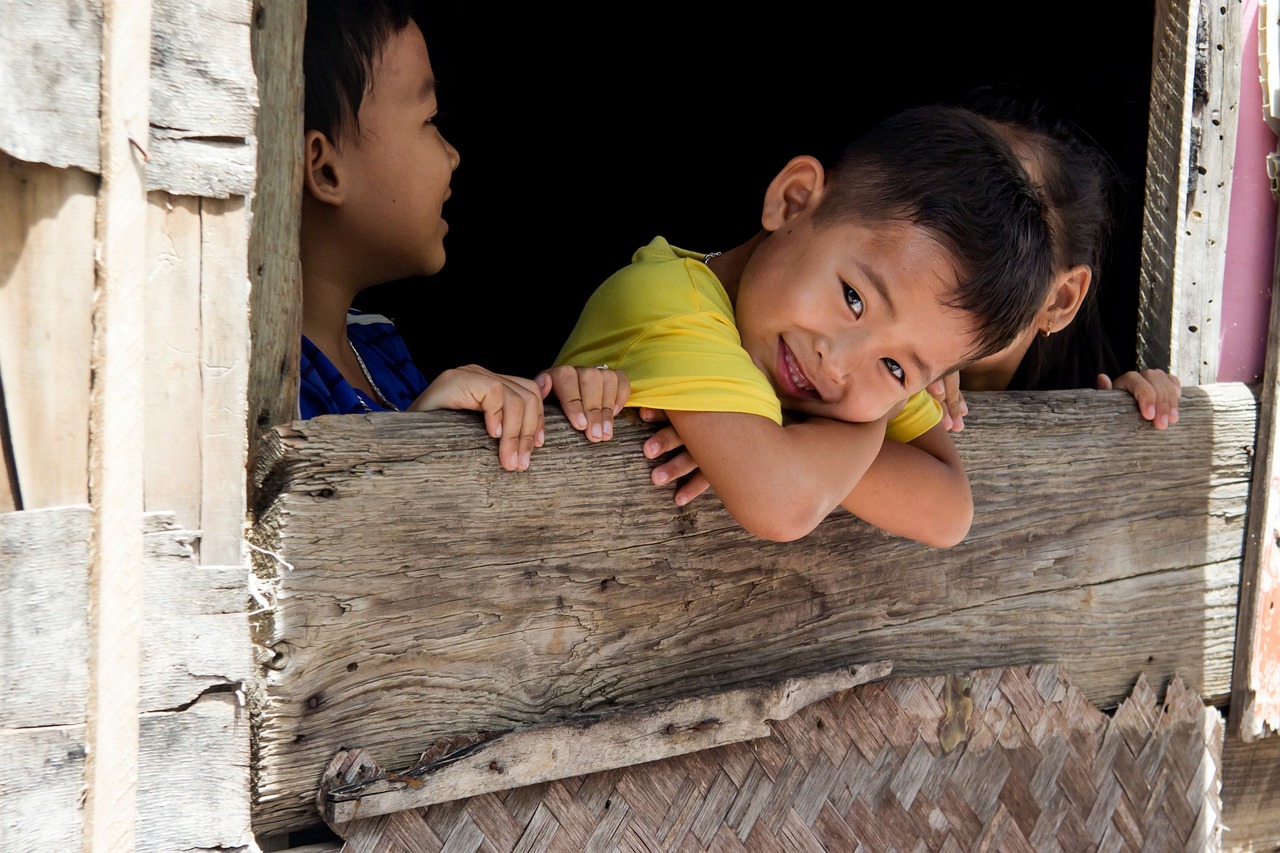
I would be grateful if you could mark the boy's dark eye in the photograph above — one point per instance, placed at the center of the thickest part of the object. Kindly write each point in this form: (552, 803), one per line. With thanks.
(896, 370)
(852, 299)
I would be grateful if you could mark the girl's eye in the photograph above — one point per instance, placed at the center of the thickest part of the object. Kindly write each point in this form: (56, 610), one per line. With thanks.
(852, 299)
(896, 370)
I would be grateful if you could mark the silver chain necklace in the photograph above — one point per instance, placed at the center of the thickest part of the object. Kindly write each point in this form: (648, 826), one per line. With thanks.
(365, 370)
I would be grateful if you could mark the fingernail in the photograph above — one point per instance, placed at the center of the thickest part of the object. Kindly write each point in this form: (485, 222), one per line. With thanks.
(681, 500)
(580, 420)
(608, 430)
(595, 430)
(659, 477)
(524, 461)
(497, 431)
(540, 438)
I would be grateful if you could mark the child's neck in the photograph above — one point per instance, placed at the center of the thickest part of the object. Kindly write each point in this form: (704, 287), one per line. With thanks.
(995, 372)
(728, 265)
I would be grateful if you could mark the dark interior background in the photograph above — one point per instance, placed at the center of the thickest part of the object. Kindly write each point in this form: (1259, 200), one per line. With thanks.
(581, 140)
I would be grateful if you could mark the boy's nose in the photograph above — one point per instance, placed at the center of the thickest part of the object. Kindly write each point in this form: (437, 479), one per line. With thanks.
(454, 157)
(837, 356)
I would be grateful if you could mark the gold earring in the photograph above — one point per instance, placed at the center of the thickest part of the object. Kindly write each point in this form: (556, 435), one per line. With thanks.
(1047, 330)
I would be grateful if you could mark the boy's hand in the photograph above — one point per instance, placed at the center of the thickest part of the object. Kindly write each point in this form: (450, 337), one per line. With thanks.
(590, 396)
(947, 392)
(512, 407)
(1155, 391)
(681, 465)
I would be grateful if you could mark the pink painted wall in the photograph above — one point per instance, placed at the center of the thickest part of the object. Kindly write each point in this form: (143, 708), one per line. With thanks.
(1251, 230)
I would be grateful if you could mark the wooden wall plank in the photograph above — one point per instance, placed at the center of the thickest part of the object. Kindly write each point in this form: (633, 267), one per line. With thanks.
(50, 83)
(41, 786)
(1195, 87)
(1251, 794)
(193, 729)
(116, 433)
(203, 101)
(44, 605)
(276, 296)
(193, 778)
(224, 320)
(46, 307)
(172, 419)
(1255, 692)
(429, 594)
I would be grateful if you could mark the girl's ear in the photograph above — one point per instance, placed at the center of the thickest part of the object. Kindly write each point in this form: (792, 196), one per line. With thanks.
(1066, 298)
(321, 169)
(794, 190)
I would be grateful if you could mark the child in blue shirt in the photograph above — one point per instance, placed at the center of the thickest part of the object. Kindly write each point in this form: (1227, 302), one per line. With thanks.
(376, 174)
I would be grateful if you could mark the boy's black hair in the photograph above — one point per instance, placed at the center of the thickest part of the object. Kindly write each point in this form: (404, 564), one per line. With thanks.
(1078, 182)
(344, 39)
(945, 169)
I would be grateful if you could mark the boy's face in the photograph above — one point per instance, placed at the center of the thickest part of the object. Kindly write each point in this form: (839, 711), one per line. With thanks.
(847, 320)
(400, 165)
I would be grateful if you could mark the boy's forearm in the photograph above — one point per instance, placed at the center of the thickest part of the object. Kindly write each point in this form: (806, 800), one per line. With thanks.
(779, 482)
(918, 490)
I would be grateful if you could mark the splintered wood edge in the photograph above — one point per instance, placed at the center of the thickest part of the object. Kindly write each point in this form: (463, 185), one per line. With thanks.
(548, 752)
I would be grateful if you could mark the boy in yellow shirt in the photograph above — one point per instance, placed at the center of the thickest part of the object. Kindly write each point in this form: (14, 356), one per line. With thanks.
(922, 249)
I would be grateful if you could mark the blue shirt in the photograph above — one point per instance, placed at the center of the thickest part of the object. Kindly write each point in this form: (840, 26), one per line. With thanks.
(323, 390)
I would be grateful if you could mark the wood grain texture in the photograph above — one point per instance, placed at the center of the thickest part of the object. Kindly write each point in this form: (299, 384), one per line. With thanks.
(274, 269)
(1195, 91)
(203, 95)
(1251, 795)
(46, 310)
(50, 81)
(193, 730)
(1201, 254)
(1168, 156)
(583, 745)
(44, 635)
(1255, 686)
(428, 594)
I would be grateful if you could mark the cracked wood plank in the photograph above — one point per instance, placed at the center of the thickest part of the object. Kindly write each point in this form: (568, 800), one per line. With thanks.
(584, 745)
(193, 731)
(453, 598)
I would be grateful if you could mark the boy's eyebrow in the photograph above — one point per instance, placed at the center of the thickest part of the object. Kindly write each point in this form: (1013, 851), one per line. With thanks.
(428, 89)
(877, 284)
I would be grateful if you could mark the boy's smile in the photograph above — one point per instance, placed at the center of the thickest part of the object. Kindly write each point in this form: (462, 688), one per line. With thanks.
(848, 320)
(399, 165)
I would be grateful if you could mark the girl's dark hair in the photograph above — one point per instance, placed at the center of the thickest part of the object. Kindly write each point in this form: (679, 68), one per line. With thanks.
(1077, 180)
(344, 39)
(945, 169)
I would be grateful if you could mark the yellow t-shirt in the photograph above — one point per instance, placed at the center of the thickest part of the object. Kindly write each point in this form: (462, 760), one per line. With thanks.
(667, 322)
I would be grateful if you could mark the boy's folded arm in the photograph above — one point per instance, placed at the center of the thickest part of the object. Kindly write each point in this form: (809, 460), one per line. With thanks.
(778, 482)
(917, 490)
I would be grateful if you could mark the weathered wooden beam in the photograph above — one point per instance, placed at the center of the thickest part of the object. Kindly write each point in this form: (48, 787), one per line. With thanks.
(1255, 685)
(590, 745)
(193, 734)
(1251, 794)
(1191, 143)
(275, 314)
(415, 591)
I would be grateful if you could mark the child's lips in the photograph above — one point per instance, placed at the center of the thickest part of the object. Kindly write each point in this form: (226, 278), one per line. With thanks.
(791, 375)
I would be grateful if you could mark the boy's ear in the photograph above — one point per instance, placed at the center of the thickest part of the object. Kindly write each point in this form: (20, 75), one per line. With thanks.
(321, 168)
(1065, 300)
(795, 189)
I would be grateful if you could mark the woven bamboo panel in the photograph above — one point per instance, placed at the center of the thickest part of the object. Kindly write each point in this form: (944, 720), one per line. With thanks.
(1032, 766)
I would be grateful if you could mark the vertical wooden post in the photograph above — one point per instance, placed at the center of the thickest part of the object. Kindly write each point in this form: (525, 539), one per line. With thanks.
(1195, 88)
(115, 432)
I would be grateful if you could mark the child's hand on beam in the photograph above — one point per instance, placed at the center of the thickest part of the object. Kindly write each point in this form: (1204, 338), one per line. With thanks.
(1156, 393)
(512, 407)
(591, 397)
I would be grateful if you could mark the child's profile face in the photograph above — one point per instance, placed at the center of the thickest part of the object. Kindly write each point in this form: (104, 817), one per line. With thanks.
(848, 320)
(399, 167)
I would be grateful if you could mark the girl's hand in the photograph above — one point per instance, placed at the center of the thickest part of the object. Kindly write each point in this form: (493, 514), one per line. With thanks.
(1155, 391)
(590, 396)
(512, 407)
(947, 392)
(681, 465)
